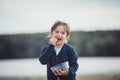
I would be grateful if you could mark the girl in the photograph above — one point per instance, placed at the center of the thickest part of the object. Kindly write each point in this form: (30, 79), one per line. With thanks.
(58, 51)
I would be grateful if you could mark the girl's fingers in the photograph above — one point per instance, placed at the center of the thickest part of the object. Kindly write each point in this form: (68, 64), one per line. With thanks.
(62, 72)
(53, 41)
(57, 73)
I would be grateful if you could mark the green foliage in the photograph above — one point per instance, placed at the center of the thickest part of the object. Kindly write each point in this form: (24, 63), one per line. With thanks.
(97, 43)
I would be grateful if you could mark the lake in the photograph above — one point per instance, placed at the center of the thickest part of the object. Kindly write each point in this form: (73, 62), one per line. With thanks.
(32, 67)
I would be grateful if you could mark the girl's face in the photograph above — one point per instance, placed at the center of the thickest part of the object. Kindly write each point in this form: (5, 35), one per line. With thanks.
(60, 34)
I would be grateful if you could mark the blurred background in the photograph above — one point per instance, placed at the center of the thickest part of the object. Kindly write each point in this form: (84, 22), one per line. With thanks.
(95, 34)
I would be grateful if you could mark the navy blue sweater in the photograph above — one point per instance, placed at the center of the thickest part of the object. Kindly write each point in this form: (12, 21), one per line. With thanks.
(48, 56)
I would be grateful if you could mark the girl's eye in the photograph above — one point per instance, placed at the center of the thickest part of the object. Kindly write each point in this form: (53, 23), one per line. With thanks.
(56, 32)
(63, 32)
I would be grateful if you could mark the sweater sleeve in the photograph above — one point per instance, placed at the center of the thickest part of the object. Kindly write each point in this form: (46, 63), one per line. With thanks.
(73, 65)
(45, 54)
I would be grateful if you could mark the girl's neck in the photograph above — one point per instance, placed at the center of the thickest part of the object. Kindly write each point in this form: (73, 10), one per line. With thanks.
(59, 45)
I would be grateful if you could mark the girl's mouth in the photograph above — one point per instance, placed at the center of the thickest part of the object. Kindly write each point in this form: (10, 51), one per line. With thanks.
(59, 39)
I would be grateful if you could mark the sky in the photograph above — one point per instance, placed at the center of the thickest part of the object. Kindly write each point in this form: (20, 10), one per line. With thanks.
(31, 16)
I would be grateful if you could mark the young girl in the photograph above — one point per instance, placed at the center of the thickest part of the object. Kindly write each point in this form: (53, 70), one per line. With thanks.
(58, 51)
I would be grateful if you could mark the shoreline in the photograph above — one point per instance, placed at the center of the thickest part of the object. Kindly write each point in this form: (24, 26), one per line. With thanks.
(97, 77)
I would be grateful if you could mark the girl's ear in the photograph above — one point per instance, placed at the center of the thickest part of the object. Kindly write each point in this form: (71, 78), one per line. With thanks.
(51, 33)
(67, 36)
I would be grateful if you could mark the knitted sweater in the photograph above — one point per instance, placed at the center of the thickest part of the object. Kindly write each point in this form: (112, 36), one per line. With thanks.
(48, 56)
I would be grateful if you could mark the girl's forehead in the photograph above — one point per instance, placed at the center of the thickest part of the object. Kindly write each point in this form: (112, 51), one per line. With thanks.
(61, 28)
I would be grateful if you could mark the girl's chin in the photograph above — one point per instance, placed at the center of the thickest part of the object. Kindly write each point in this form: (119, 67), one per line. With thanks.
(59, 43)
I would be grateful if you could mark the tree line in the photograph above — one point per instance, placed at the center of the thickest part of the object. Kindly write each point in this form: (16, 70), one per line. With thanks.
(87, 44)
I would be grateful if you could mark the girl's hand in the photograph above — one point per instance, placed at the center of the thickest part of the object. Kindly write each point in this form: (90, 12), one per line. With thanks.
(62, 72)
(53, 41)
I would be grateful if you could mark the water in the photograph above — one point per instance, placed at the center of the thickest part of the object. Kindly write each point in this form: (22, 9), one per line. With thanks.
(33, 68)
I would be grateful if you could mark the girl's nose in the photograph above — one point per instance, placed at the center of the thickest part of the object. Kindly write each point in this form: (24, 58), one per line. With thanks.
(60, 35)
